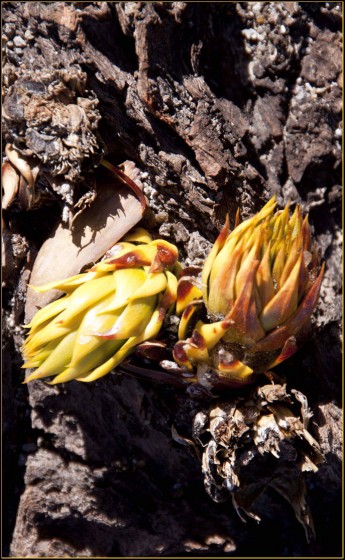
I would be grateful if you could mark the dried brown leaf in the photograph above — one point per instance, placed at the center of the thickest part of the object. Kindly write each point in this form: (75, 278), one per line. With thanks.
(111, 215)
(259, 442)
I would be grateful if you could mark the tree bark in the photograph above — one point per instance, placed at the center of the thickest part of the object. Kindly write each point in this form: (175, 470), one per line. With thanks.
(220, 106)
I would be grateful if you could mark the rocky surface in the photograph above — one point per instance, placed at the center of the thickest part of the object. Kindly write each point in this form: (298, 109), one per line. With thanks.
(219, 105)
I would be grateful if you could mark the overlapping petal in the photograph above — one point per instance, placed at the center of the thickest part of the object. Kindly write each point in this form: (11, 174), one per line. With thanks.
(260, 286)
(106, 312)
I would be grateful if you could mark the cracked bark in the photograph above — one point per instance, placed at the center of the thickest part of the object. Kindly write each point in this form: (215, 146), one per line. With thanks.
(219, 105)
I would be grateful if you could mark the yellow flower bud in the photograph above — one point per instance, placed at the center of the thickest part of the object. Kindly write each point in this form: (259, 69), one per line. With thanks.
(106, 312)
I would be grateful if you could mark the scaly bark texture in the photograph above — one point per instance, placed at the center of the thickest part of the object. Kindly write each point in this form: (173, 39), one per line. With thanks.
(219, 105)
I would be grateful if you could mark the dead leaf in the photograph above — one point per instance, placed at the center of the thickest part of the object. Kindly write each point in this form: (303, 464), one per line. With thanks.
(113, 213)
(233, 460)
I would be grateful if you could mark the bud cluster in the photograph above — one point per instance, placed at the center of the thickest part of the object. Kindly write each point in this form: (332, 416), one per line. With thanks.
(106, 312)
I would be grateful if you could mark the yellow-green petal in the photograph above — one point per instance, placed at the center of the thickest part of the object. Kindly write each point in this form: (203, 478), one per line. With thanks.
(284, 303)
(67, 285)
(133, 319)
(155, 283)
(48, 312)
(218, 245)
(57, 360)
(86, 295)
(126, 282)
(96, 358)
(151, 330)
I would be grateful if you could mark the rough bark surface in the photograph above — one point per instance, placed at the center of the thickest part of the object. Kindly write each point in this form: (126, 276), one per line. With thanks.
(220, 105)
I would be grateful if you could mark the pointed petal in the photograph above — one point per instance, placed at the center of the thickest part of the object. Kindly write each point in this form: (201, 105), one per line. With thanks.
(57, 360)
(132, 320)
(246, 326)
(279, 223)
(31, 364)
(246, 228)
(117, 250)
(303, 279)
(237, 218)
(291, 260)
(247, 262)
(106, 367)
(307, 306)
(39, 356)
(96, 358)
(284, 303)
(151, 330)
(191, 271)
(266, 212)
(92, 326)
(272, 341)
(306, 234)
(289, 348)
(48, 312)
(268, 208)
(212, 333)
(222, 286)
(177, 269)
(264, 279)
(296, 222)
(67, 285)
(294, 324)
(155, 283)
(232, 242)
(67, 375)
(218, 245)
(126, 282)
(86, 295)
(278, 266)
(49, 333)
